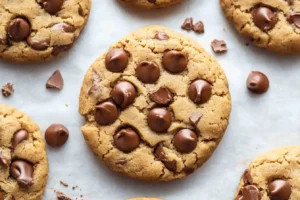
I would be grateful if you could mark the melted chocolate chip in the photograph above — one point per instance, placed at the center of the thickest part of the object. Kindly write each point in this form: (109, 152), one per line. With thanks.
(264, 18)
(123, 94)
(160, 155)
(126, 140)
(161, 36)
(19, 136)
(195, 118)
(56, 135)
(116, 60)
(63, 27)
(148, 72)
(53, 6)
(185, 141)
(23, 172)
(106, 113)
(38, 45)
(162, 96)
(250, 192)
(60, 48)
(159, 119)
(174, 61)
(18, 29)
(294, 18)
(3, 160)
(247, 178)
(200, 91)
(258, 82)
(279, 190)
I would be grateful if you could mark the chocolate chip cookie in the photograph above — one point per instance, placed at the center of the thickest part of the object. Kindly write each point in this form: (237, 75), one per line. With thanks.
(151, 4)
(272, 24)
(23, 159)
(40, 30)
(272, 176)
(156, 105)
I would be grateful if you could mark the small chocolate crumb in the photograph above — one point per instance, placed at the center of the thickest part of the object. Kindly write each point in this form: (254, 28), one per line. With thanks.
(55, 81)
(7, 89)
(62, 196)
(219, 46)
(199, 27)
(64, 184)
(187, 24)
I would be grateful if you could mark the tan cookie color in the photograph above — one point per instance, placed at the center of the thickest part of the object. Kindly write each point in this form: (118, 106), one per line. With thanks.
(23, 159)
(151, 4)
(162, 130)
(274, 175)
(40, 30)
(272, 24)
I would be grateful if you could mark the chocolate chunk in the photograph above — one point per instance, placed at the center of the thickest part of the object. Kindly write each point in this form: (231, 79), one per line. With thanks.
(200, 91)
(258, 82)
(195, 118)
(56, 81)
(19, 136)
(199, 27)
(294, 18)
(60, 48)
(56, 135)
(174, 61)
(116, 60)
(53, 6)
(126, 140)
(219, 46)
(264, 18)
(159, 119)
(188, 170)
(39, 45)
(162, 96)
(62, 196)
(7, 90)
(23, 172)
(160, 155)
(247, 178)
(148, 72)
(106, 113)
(187, 24)
(123, 94)
(185, 140)
(18, 29)
(161, 36)
(63, 27)
(279, 190)
(3, 160)
(250, 192)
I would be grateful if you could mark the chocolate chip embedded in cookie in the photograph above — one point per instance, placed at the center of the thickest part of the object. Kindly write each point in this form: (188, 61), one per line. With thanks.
(162, 105)
(151, 4)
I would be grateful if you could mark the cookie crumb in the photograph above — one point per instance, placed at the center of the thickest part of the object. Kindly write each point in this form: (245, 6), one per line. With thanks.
(219, 46)
(55, 81)
(62, 196)
(64, 184)
(7, 89)
(188, 24)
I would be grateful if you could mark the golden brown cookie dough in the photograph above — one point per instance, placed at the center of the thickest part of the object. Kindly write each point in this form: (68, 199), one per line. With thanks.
(274, 175)
(272, 24)
(151, 4)
(23, 159)
(40, 30)
(156, 105)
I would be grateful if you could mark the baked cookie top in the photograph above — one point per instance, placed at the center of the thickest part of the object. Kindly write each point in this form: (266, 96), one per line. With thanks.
(274, 175)
(156, 105)
(272, 24)
(39, 30)
(23, 159)
(151, 4)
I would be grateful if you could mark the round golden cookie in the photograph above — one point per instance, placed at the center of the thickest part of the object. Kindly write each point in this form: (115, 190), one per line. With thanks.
(272, 176)
(156, 105)
(151, 4)
(40, 30)
(145, 198)
(271, 24)
(23, 159)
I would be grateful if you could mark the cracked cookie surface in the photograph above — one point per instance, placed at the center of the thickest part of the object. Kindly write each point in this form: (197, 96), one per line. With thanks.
(274, 175)
(40, 30)
(151, 4)
(271, 24)
(23, 159)
(156, 105)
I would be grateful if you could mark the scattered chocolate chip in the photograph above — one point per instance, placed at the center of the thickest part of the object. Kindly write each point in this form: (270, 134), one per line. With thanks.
(161, 36)
(185, 141)
(62, 196)
(247, 178)
(123, 94)
(258, 82)
(23, 172)
(64, 183)
(126, 140)
(56, 135)
(148, 72)
(106, 113)
(64, 27)
(200, 91)
(187, 24)
(18, 29)
(38, 45)
(160, 155)
(56, 81)
(199, 27)
(61, 48)
(219, 46)
(116, 60)
(3, 160)
(122, 161)
(195, 118)
(159, 119)
(7, 90)
(163, 96)
(19, 136)
(53, 6)
(264, 18)
(174, 61)
(250, 192)
(294, 18)
(279, 190)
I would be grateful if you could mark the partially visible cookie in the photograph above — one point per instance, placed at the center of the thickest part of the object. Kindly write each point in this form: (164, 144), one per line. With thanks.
(274, 175)
(151, 4)
(40, 30)
(271, 24)
(145, 198)
(23, 159)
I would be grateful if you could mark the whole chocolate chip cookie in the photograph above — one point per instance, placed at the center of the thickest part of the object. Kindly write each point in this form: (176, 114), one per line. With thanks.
(272, 176)
(23, 159)
(40, 30)
(151, 4)
(272, 24)
(156, 105)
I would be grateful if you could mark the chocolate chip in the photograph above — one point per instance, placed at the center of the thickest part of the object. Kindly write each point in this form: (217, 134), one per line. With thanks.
(250, 192)
(126, 140)
(61, 48)
(56, 81)
(279, 190)
(159, 119)
(187, 24)
(161, 36)
(7, 90)
(160, 155)
(123, 94)
(185, 141)
(19, 136)
(18, 29)
(62, 196)
(116, 60)
(188, 170)
(23, 172)
(264, 18)
(106, 113)
(162, 96)
(247, 178)
(199, 27)
(152, 1)
(294, 18)
(258, 82)
(1, 196)
(63, 27)
(39, 45)
(200, 91)
(3, 160)
(174, 61)
(219, 46)
(56, 135)
(195, 118)
(53, 6)
(148, 72)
